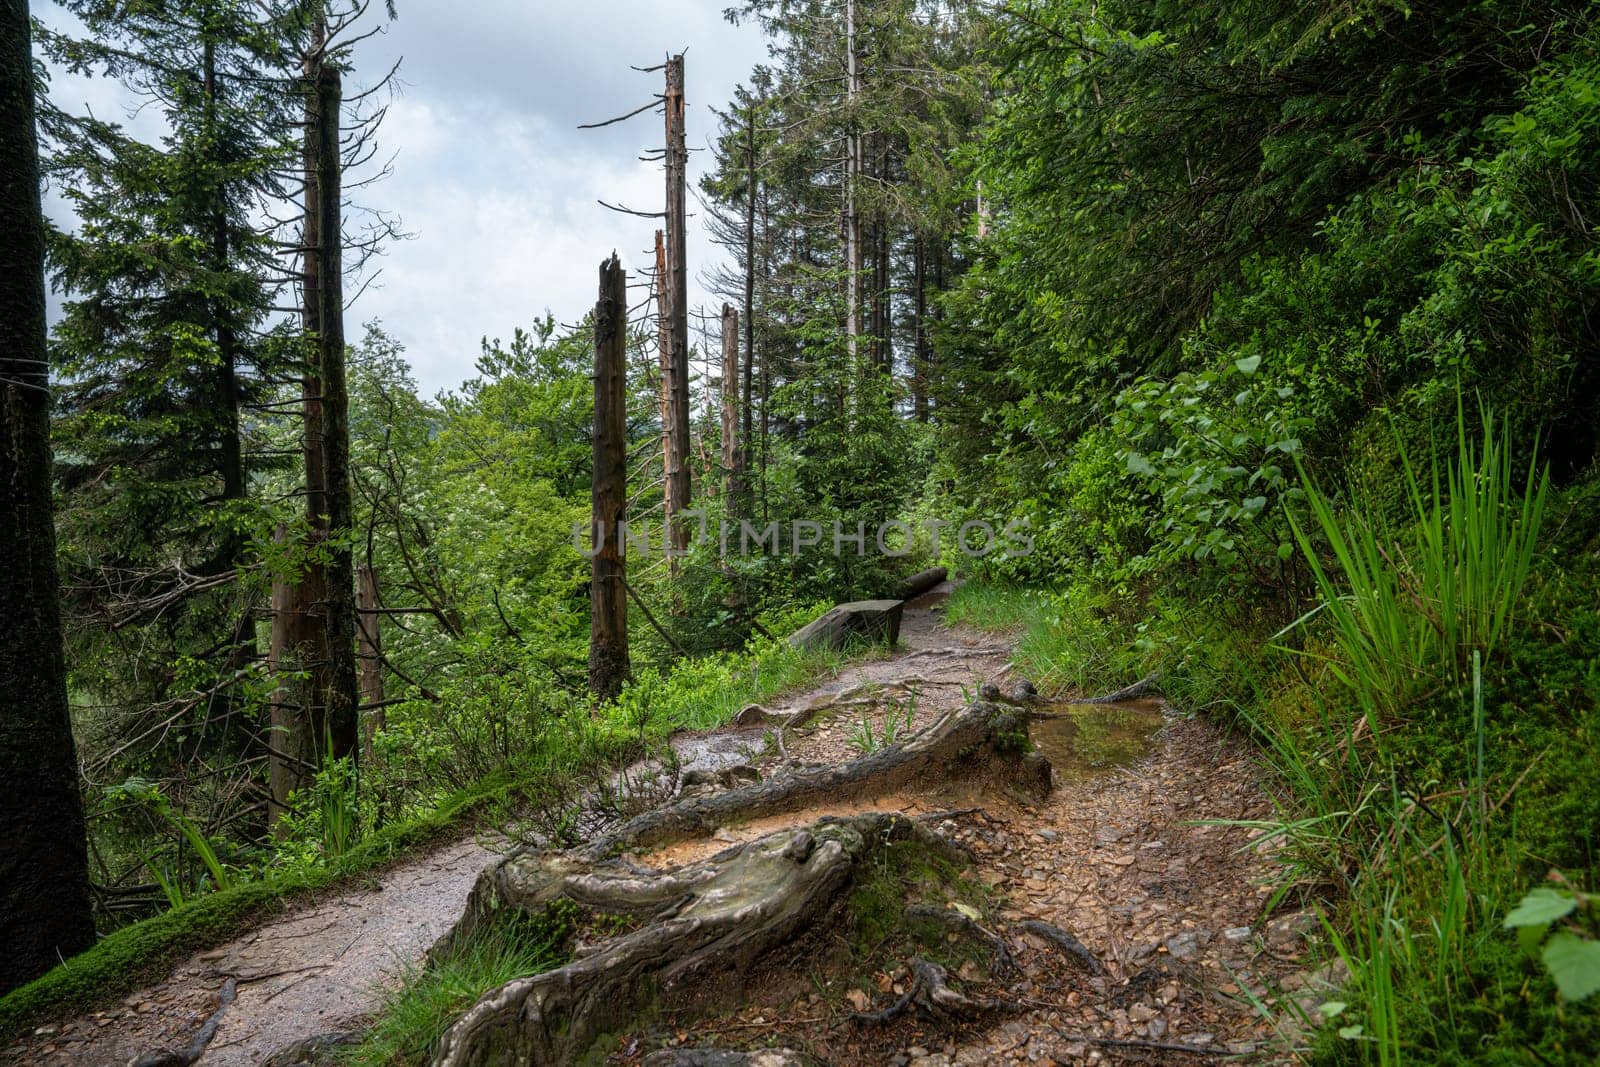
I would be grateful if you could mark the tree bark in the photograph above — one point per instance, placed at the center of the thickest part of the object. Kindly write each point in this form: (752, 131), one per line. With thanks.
(732, 443)
(676, 292)
(44, 874)
(852, 181)
(970, 743)
(608, 592)
(343, 694)
(747, 381)
(370, 656)
(919, 352)
(243, 650)
(298, 652)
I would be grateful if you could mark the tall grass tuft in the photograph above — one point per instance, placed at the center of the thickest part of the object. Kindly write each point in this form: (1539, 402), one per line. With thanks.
(1410, 610)
(415, 1016)
(1407, 617)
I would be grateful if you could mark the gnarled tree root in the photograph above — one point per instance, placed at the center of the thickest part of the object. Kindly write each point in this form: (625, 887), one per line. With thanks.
(719, 915)
(981, 741)
(930, 994)
(1075, 950)
(716, 916)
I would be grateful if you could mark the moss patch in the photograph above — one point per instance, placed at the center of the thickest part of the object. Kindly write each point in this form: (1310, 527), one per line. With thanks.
(137, 954)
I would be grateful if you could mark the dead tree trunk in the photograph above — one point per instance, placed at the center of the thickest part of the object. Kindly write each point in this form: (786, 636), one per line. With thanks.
(608, 599)
(44, 876)
(669, 424)
(675, 290)
(369, 656)
(746, 380)
(919, 354)
(314, 613)
(732, 443)
(298, 652)
(852, 182)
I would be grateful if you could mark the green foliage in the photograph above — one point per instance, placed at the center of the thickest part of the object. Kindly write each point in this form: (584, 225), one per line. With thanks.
(432, 996)
(1412, 612)
(867, 737)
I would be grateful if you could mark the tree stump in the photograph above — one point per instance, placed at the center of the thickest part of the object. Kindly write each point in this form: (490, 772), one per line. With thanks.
(872, 621)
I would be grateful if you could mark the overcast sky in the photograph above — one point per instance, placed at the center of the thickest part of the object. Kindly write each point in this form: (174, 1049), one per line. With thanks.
(492, 175)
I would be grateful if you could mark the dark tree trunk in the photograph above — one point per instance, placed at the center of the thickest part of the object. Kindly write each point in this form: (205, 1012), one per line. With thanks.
(608, 595)
(314, 613)
(369, 656)
(225, 706)
(299, 642)
(343, 694)
(919, 345)
(44, 875)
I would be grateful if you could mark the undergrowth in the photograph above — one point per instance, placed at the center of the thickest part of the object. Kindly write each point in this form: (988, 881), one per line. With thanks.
(1433, 720)
(482, 753)
(433, 995)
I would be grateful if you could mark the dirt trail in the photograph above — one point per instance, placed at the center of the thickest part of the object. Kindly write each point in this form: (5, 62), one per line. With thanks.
(316, 969)
(1113, 856)
(1126, 854)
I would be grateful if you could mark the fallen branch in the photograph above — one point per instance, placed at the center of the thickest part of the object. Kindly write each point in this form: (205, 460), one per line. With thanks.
(961, 744)
(1143, 687)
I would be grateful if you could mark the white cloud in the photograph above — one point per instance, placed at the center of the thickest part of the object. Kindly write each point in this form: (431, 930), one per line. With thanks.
(491, 173)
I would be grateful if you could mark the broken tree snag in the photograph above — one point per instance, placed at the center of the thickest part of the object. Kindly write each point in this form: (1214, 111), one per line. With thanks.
(981, 742)
(717, 916)
(873, 621)
(732, 446)
(675, 307)
(922, 582)
(608, 591)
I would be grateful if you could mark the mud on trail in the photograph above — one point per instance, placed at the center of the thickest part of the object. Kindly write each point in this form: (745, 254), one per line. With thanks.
(1123, 856)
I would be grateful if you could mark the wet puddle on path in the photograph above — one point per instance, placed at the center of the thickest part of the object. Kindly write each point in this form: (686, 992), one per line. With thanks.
(1090, 739)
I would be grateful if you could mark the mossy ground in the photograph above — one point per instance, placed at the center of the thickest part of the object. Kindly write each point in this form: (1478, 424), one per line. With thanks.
(134, 955)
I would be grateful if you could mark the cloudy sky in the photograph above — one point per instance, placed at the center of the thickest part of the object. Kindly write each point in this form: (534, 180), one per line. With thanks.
(492, 175)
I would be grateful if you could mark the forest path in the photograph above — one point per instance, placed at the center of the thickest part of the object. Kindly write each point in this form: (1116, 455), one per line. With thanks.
(1113, 856)
(316, 969)
(323, 968)
(1132, 853)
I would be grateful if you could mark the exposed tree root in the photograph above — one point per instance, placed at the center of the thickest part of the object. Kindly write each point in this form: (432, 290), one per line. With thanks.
(972, 742)
(1075, 950)
(720, 915)
(202, 1037)
(717, 916)
(931, 996)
